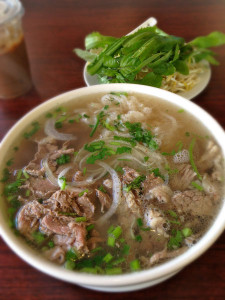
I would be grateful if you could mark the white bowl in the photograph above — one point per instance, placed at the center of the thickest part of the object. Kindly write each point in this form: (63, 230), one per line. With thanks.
(115, 283)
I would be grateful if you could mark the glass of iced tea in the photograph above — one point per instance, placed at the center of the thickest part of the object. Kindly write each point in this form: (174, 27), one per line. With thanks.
(15, 77)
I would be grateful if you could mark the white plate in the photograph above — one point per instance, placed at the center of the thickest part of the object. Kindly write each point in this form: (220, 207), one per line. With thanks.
(197, 89)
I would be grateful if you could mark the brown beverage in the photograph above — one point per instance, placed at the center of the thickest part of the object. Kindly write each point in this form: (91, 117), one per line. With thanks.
(15, 78)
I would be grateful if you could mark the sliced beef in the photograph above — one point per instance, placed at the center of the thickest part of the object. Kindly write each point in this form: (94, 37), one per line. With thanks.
(28, 218)
(58, 153)
(86, 206)
(108, 183)
(34, 167)
(162, 193)
(182, 180)
(104, 199)
(151, 182)
(194, 202)
(155, 188)
(78, 176)
(40, 187)
(133, 203)
(63, 201)
(129, 175)
(65, 226)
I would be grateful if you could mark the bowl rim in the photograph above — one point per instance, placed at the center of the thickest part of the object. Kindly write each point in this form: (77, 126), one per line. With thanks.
(173, 265)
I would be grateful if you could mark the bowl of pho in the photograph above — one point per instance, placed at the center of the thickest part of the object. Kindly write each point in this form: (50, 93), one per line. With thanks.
(113, 187)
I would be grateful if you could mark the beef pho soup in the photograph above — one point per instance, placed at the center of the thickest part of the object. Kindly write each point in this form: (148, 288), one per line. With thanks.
(116, 183)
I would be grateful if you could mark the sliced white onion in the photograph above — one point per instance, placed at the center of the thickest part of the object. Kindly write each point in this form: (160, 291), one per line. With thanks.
(51, 131)
(116, 192)
(48, 172)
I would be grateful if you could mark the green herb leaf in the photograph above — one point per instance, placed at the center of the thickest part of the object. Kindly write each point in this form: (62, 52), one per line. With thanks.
(135, 184)
(63, 159)
(213, 39)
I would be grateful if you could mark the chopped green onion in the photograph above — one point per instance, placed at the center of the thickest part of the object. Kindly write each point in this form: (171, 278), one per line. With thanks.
(97, 249)
(117, 232)
(102, 189)
(51, 244)
(139, 222)
(81, 219)
(63, 159)
(69, 265)
(113, 271)
(187, 232)
(118, 261)
(90, 227)
(138, 238)
(197, 186)
(107, 258)
(67, 213)
(9, 162)
(19, 174)
(71, 255)
(135, 265)
(111, 228)
(115, 143)
(126, 249)
(86, 116)
(5, 174)
(146, 158)
(84, 171)
(25, 174)
(108, 126)
(125, 139)
(89, 270)
(58, 125)
(135, 184)
(111, 241)
(124, 149)
(35, 128)
(191, 147)
(119, 169)
(99, 118)
(38, 237)
(145, 228)
(83, 192)
(63, 186)
(172, 213)
(175, 240)
(27, 194)
(48, 115)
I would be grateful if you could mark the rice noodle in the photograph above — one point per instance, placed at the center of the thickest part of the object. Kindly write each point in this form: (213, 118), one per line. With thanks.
(116, 193)
(52, 132)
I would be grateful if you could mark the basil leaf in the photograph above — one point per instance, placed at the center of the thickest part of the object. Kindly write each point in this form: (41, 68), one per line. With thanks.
(181, 67)
(213, 39)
